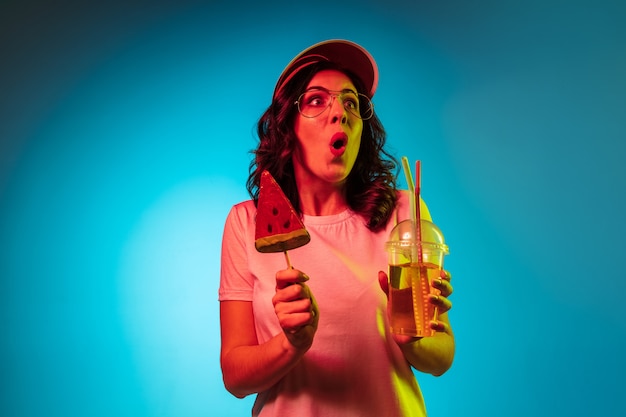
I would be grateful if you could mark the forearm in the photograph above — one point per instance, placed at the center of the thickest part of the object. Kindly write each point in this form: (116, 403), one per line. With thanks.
(432, 355)
(250, 369)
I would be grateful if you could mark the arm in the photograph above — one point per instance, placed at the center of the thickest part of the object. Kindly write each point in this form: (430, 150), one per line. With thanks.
(249, 367)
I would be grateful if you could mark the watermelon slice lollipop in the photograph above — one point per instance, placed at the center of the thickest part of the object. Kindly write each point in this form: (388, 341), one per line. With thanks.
(278, 227)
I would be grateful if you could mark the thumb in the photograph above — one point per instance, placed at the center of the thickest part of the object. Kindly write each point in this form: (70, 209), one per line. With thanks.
(384, 283)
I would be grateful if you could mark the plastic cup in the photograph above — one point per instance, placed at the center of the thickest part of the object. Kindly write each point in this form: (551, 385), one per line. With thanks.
(410, 280)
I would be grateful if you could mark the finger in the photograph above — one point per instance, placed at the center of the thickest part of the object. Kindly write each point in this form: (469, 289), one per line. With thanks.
(444, 287)
(445, 275)
(293, 307)
(288, 277)
(291, 293)
(293, 322)
(439, 326)
(441, 302)
(383, 281)
(296, 314)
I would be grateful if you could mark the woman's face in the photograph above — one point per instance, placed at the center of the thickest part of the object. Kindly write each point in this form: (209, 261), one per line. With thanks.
(327, 144)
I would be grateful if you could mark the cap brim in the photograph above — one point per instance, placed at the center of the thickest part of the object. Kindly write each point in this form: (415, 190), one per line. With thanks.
(346, 54)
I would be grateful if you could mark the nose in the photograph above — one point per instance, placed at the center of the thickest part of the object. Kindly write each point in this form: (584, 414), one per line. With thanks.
(338, 110)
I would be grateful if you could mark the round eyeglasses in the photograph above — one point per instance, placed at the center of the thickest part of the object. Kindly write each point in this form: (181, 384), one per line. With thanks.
(315, 101)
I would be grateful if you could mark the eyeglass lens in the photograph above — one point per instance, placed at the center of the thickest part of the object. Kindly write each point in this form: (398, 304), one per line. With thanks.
(314, 102)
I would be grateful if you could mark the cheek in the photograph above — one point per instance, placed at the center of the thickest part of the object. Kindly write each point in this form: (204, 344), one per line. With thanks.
(301, 128)
(307, 131)
(357, 135)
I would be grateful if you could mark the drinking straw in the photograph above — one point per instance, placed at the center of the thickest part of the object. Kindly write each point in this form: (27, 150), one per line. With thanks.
(418, 231)
(414, 199)
(412, 194)
(418, 217)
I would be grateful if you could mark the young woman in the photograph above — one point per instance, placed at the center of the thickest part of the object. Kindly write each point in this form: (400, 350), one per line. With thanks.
(314, 340)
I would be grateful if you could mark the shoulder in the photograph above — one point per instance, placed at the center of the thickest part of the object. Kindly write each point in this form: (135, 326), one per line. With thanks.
(243, 208)
(241, 213)
(403, 206)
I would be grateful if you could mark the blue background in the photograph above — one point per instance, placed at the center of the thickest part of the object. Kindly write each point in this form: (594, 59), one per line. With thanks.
(125, 130)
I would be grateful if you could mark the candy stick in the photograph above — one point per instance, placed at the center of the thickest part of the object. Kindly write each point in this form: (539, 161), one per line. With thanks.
(287, 259)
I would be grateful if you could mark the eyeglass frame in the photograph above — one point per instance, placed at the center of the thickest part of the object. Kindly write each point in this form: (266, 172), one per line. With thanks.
(334, 94)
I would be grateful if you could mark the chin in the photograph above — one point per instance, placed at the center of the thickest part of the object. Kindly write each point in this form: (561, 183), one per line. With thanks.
(338, 176)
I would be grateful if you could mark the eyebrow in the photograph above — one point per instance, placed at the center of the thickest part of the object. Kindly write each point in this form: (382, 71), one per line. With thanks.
(319, 87)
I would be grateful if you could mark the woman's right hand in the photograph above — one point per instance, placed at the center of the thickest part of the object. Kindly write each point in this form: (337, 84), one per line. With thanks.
(295, 308)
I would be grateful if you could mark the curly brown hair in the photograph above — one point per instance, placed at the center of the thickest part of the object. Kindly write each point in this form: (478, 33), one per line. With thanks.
(370, 186)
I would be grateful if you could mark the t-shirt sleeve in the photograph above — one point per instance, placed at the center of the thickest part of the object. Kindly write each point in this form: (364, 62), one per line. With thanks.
(236, 281)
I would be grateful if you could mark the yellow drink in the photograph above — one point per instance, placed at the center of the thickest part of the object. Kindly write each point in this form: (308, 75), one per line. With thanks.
(409, 290)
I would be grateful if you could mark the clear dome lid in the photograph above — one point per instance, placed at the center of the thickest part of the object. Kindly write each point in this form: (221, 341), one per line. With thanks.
(403, 234)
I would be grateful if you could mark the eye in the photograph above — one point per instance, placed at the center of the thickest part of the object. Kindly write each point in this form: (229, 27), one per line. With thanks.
(351, 101)
(316, 99)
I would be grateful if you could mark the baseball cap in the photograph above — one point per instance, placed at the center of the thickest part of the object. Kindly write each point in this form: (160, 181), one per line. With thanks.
(348, 55)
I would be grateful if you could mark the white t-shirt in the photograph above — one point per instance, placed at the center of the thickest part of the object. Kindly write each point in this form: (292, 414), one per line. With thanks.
(353, 368)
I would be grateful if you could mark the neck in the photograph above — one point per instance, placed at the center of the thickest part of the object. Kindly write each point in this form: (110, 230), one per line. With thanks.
(322, 202)
(320, 198)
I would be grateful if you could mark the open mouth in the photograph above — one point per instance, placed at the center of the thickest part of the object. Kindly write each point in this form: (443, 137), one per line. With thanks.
(338, 143)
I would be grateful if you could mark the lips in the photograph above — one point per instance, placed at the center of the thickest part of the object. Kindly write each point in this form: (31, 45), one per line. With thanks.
(338, 143)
